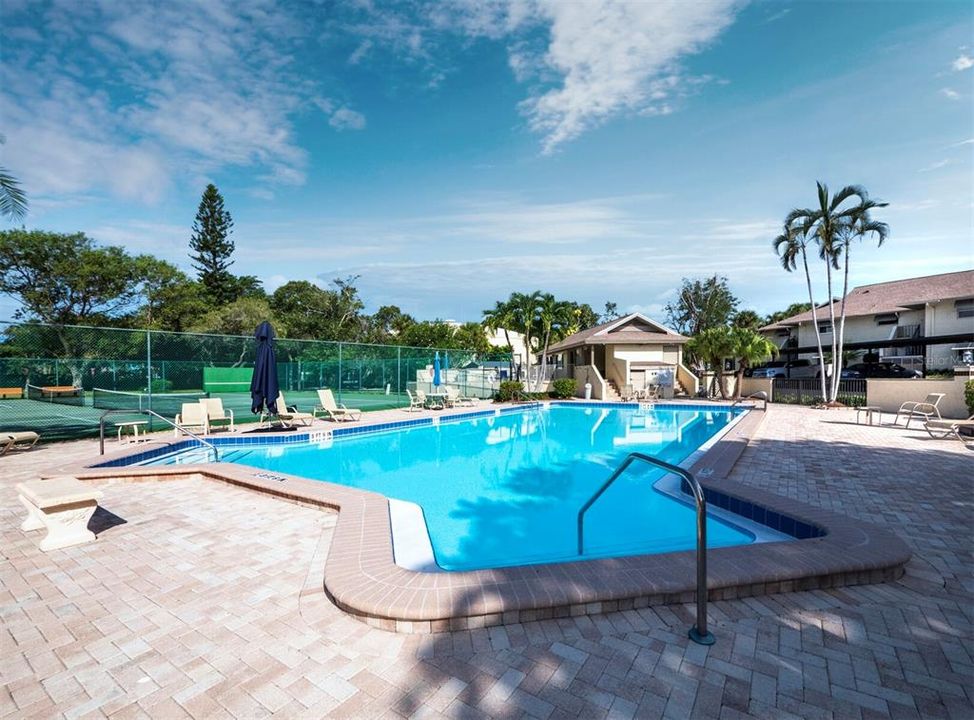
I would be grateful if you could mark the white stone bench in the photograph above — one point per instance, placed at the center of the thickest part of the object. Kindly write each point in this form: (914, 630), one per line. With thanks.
(62, 505)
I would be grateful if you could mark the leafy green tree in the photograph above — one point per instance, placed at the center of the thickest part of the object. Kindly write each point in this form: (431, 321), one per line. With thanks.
(500, 317)
(609, 312)
(212, 247)
(448, 336)
(388, 323)
(65, 279)
(316, 313)
(170, 299)
(747, 319)
(240, 317)
(700, 305)
(582, 317)
(748, 348)
(711, 346)
(790, 311)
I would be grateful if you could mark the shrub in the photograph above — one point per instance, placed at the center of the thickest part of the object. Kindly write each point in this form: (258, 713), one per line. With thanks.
(563, 388)
(969, 396)
(510, 391)
(161, 386)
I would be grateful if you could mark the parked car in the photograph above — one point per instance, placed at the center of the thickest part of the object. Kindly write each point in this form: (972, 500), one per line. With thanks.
(883, 370)
(786, 369)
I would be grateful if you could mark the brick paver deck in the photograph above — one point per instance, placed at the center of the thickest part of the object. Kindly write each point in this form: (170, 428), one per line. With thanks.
(203, 600)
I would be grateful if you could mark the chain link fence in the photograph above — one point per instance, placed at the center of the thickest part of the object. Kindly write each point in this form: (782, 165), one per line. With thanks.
(59, 380)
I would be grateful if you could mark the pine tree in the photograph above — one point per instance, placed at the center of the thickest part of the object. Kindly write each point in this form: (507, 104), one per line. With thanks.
(212, 247)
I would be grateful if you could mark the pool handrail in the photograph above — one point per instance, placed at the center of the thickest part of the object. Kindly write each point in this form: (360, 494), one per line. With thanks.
(698, 633)
(143, 411)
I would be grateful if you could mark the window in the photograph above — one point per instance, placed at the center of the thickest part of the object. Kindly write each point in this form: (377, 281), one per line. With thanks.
(825, 328)
(887, 319)
(965, 308)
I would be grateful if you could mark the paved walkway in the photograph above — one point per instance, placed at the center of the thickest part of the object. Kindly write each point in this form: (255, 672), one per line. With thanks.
(200, 600)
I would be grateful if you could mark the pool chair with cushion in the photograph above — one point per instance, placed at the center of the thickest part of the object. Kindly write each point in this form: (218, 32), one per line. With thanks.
(924, 410)
(454, 398)
(415, 404)
(216, 415)
(335, 411)
(18, 441)
(941, 429)
(288, 415)
(192, 417)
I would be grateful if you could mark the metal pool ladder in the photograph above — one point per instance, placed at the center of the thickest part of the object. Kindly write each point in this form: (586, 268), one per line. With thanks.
(698, 633)
(133, 411)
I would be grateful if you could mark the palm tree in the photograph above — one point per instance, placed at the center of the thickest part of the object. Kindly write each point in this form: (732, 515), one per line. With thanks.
(13, 201)
(712, 346)
(749, 349)
(861, 225)
(499, 318)
(554, 321)
(524, 314)
(790, 245)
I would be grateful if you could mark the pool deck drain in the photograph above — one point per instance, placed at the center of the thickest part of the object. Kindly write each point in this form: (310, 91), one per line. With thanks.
(362, 578)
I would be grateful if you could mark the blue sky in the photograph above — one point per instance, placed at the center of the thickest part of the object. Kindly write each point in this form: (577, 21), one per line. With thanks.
(452, 153)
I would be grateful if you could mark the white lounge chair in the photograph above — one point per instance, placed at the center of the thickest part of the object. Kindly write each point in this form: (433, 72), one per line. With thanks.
(288, 415)
(192, 417)
(216, 415)
(18, 441)
(427, 402)
(454, 398)
(415, 404)
(941, 429)
(336, 411)
(925, 409)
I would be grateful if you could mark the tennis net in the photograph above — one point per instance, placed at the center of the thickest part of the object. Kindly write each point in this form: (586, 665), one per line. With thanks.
(166, 404)
(60, 394)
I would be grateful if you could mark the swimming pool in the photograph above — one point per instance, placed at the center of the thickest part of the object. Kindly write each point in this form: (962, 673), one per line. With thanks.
(505, 489)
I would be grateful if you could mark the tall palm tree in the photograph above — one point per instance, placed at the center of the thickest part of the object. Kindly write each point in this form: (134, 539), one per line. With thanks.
(861, 224)
(749, 349)
(554, 317)
(524, 314)
(499, 318)
(790, 245)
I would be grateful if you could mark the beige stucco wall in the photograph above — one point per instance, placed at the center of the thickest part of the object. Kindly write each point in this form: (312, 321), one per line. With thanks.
(889, 395)
(589, 374)
(752, 385)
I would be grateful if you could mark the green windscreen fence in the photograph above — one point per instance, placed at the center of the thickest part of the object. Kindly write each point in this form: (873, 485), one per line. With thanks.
(60, 380)
(227, 379)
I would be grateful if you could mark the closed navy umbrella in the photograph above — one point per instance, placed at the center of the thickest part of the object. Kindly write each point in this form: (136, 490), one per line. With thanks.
(263, 386)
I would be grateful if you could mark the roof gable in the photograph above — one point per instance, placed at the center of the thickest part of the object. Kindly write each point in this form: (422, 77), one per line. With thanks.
(634, 328)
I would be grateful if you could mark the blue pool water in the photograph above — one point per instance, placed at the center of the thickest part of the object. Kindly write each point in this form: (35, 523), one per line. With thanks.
(505, 490)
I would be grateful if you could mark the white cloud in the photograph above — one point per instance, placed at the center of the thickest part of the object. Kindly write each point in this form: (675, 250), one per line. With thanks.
(950, 94)
(347, 119)
(935, 166)
(963, 62)
(590, 61)
(614, 58)
(142, 95)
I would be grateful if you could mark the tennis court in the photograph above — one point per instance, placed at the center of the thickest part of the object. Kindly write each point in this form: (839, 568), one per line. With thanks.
(77, 373)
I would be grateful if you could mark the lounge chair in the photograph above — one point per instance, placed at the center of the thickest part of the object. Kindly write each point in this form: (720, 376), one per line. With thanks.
(216, 415)
(941, 429)
(288, 415)
(415, 403)
(925, 409)
(192, 417)
(454, 398)
(628, 394)
(336, 411)
(18, 441)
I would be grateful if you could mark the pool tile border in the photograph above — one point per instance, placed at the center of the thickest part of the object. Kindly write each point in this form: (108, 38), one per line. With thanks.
(362, 578)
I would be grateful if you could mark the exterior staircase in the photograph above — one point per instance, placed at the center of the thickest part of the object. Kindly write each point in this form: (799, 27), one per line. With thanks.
(612, 393)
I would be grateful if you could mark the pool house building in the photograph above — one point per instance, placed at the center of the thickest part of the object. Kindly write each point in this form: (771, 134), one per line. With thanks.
(627, 355)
